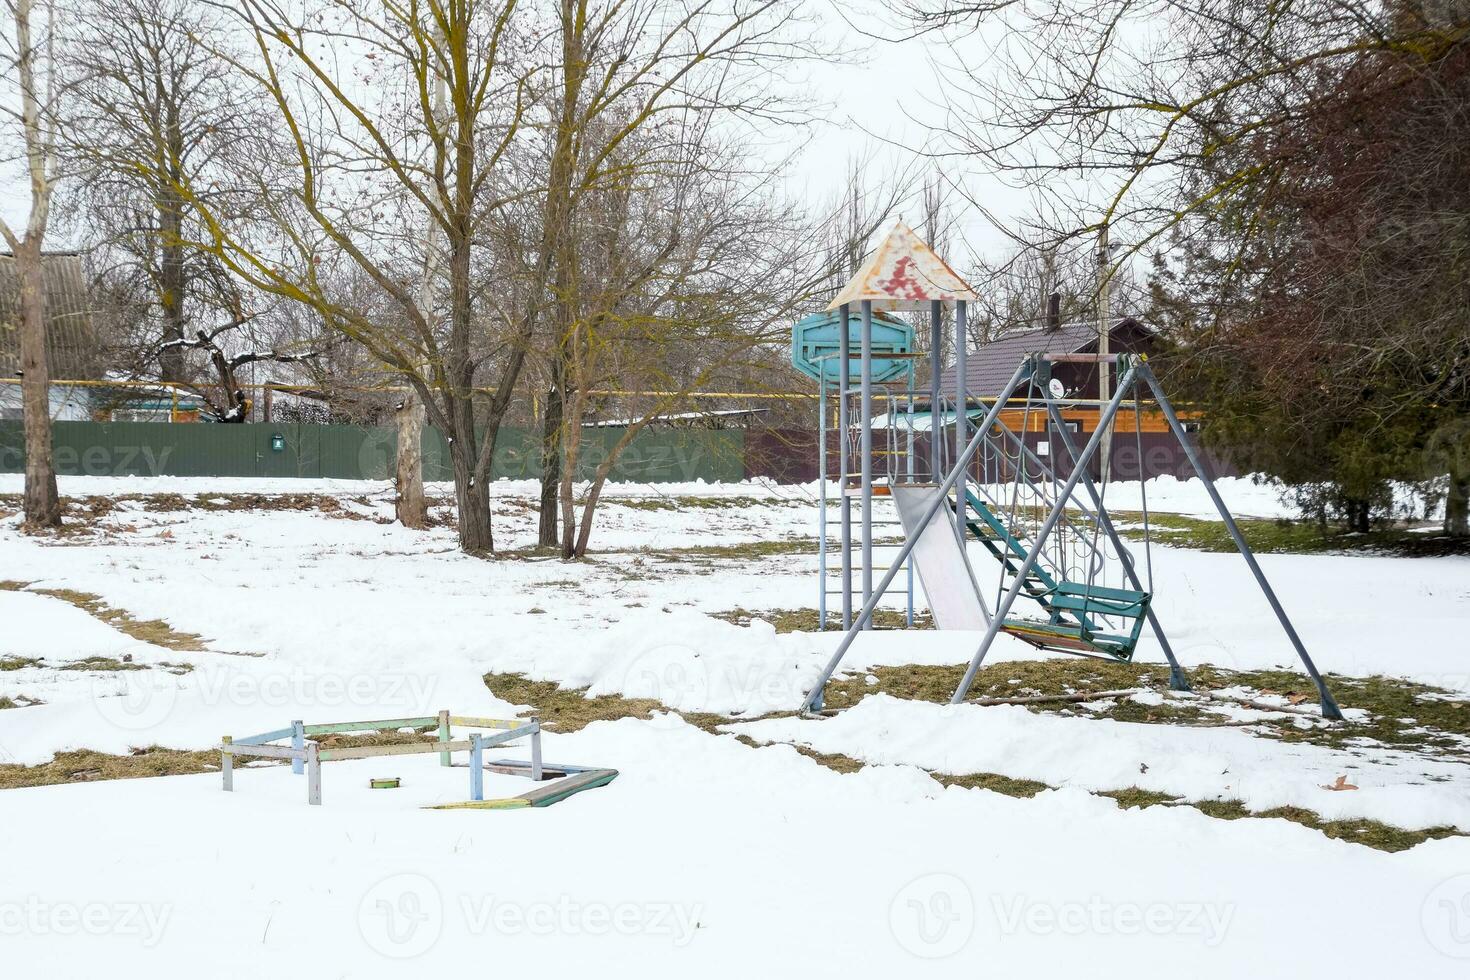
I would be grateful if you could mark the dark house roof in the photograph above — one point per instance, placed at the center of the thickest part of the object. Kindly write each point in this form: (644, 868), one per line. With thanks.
(71, 347)
(989, 366)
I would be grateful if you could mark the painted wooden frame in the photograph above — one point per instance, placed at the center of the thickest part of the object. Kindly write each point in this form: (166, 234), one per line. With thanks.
(306, 755)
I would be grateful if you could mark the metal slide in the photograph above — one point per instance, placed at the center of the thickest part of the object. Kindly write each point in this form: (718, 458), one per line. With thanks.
(949, 584)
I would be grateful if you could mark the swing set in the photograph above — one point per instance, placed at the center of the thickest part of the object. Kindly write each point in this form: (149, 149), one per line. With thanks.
(1051, 533)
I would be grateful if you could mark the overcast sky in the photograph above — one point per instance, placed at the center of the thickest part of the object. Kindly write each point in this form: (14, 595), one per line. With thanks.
(876, 94)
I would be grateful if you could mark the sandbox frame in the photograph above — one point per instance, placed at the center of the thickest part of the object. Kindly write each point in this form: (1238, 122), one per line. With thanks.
(307, 755)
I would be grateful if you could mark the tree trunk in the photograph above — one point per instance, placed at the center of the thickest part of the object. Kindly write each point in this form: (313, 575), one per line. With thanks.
(594, 488)
(550, 464)
(1457, 505)
(589, 507)
(171, 287)
(471, 496)
(409, 506)
(42, 502)
(571, 428)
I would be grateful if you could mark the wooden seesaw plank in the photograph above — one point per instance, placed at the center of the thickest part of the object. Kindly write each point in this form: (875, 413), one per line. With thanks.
(546, 794)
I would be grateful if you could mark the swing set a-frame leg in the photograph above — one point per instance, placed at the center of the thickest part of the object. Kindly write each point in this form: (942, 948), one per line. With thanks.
(1329, 704)
(1178, 681)
(813, 700)
(1047, 526)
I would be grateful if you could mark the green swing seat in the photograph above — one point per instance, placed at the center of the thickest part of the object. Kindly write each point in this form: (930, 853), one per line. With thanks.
(1083, 603)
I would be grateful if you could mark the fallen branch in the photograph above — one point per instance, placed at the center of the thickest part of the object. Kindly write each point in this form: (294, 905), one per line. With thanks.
(1259, 705)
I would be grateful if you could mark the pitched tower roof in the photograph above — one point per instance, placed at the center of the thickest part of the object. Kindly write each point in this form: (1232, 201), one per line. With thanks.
(903, 273)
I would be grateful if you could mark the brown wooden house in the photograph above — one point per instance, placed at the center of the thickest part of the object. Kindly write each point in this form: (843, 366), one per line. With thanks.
(1142, 446)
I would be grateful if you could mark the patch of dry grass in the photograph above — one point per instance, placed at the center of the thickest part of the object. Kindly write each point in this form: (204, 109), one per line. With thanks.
(87, 765)
(1402, 714)
(807, 620)
(153, 631)
(570, 710)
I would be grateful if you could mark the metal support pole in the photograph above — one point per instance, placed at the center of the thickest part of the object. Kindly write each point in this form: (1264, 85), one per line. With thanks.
(298, 742)
(1329, 703)
(909, 449)
(961, 412)
(936, 335)
(813, 699)
(313, 775)
(227, 764)
(1177, 679)
(536, 750)
(844, 355)
(866, 421)
(477, 766)
(1104, 341)
(1004, 607)
(822, 499)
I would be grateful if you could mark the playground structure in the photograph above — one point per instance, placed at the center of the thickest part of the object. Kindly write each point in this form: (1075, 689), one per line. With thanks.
(307, 755)
(819, 347)
(1045, 523)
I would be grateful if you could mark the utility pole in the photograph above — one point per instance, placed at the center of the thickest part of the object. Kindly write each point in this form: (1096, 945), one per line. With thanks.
(1104, 338)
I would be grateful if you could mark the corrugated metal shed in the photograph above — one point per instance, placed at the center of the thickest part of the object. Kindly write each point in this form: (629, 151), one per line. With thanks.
(989, 366)
(903, 274)
(71, 348)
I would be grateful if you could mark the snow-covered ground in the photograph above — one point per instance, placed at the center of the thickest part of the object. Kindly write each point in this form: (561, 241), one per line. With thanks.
(707, 856)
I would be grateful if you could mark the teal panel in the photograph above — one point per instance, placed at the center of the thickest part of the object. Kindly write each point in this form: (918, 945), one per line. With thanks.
(816, 341)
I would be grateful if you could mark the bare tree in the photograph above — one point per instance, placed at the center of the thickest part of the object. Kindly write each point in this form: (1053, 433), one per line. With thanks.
(42, 506)
(630, 80)
(696, 261)
(370, 157)
(154, 87)
(1014, 289)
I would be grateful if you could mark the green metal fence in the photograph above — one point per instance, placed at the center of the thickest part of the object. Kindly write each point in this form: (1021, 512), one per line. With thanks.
(350, 452)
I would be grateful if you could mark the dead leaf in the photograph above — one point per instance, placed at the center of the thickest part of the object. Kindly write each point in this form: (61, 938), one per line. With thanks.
(1341, 783)
(1296, 698)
